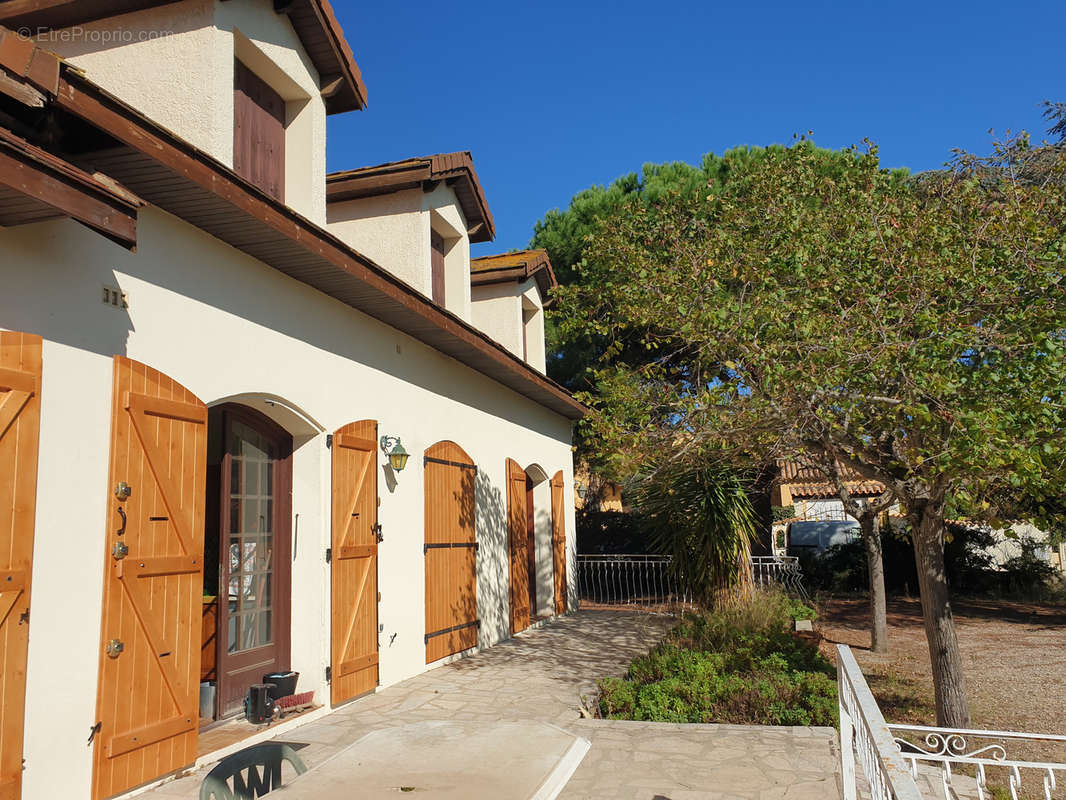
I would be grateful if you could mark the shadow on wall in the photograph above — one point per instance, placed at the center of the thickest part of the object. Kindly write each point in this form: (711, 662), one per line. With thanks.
(542, 525)
(494, 584)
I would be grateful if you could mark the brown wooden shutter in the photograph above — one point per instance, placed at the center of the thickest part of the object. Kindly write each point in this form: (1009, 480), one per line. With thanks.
(354, 640)
(559, 542)
(518, 534)
(437, 264)
(148, 695)
(451, 552)
(20, 418)
(258, 132)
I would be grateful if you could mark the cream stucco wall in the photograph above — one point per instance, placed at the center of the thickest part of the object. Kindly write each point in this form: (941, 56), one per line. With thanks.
(394, 231)
(225, 326)
(174, 64)
(498, 310)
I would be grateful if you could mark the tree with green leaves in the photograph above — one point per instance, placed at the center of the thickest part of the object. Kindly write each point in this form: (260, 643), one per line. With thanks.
(911, 330)
(698, 512)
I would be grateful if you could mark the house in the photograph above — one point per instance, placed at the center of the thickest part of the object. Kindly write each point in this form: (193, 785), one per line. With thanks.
(253, 418)
(813, 496)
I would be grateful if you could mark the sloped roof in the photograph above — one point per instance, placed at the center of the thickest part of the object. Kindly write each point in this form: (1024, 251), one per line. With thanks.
(516, 266)
(313, 20)
(186, 182)
(455, 169)
(807, 481)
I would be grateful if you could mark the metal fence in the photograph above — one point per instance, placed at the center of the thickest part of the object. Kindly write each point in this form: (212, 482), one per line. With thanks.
(900, 761)
(780, 570)
(648, 581)
(628, 580)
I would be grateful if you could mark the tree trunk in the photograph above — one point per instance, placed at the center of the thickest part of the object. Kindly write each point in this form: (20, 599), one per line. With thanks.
(927, 532)
(871, 535)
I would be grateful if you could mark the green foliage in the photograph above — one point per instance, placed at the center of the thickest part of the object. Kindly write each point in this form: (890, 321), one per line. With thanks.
(611, 532)
(700, 514)
(737, 664)
(799, 610)
(783, 512)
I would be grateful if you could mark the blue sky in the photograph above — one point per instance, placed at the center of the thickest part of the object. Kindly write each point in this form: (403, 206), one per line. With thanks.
(552, 97)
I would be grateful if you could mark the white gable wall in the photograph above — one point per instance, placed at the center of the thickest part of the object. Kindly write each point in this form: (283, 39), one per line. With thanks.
(393, 230)
(174, 64)
(499, 310)
(225, 325)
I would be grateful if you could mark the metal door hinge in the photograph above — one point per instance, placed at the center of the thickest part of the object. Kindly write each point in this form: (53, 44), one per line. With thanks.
(329, 674)
(329, 440)
(93, 730)
(24, 617)
(329, 554)
(377, 532)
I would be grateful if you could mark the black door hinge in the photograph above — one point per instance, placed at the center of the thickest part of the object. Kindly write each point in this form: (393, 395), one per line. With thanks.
(377, 533)
(329, 555)
(95, 729)
(329, 674)
(329, 440)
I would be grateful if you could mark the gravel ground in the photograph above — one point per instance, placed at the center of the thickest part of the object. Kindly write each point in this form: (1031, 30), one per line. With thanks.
(1014, 657)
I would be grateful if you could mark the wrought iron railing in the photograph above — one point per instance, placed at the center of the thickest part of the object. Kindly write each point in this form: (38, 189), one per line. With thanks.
(628, 580)
(952, 763)
(863, 731)
(648, 581)
(984, 753)
(780, 570)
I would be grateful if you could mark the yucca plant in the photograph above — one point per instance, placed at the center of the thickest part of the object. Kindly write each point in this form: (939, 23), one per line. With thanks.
(700, 514)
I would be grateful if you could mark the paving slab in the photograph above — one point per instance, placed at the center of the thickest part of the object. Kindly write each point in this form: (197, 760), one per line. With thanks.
(548, 676)
(446, 761)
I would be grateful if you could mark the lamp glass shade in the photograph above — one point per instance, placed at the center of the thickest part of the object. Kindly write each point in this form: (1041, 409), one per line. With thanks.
(398, 457)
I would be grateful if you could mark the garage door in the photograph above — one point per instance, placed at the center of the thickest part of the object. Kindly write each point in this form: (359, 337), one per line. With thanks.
(450, 551)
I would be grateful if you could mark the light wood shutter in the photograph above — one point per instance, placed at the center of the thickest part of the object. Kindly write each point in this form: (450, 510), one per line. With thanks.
(148, 695)
(518, 534)
(451, 552)
(559, 543)
(20, 417)
(354, 560)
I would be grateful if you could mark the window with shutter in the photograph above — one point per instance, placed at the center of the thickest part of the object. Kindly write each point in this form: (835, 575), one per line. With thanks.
(258, 132)
(437, 242)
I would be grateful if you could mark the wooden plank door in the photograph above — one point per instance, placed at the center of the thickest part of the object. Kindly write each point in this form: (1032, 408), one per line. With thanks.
(559, 543)
(20, 417)
(354, 562)
(148, 694)
(451, 552)
(518, 535)
(258, 132)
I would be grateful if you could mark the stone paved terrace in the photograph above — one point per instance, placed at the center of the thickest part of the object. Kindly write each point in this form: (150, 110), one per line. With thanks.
(542, 675)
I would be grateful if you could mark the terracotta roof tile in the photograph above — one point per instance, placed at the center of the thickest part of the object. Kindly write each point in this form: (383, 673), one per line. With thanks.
(807, 481)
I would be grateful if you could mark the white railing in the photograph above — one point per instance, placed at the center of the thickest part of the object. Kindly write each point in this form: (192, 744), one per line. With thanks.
(648, 581)
(896, 759)
(863, 730)
(781, 570)
(985, 754)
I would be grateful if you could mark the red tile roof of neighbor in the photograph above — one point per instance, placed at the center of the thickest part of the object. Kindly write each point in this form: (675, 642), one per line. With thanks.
(182, 180)
(455, 169)
(313, 20)
(515, 266)
(807, 481)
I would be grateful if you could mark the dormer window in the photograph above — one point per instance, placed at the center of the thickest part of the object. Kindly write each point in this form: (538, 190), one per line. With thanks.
(258, 132)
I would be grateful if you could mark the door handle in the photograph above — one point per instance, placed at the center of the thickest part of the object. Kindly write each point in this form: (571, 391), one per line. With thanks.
(121, 513)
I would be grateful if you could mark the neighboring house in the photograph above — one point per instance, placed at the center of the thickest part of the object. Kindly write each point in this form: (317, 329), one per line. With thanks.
(813, 495)
(594, 492)
(209, 351)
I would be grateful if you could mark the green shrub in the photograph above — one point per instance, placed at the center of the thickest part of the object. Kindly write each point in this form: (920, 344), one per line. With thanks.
(739, 663)
(783, 512)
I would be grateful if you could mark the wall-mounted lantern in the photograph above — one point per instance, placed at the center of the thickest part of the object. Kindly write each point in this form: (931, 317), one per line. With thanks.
(582, 490)
(393, 448)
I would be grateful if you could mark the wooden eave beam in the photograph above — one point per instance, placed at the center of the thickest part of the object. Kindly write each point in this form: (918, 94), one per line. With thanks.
(95, 208)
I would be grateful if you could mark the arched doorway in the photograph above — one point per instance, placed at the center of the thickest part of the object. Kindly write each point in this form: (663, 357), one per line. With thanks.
(247, 545)
(529, 535)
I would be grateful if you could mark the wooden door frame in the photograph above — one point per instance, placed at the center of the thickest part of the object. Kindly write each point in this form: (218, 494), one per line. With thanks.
(281, 620)
(531, 545)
